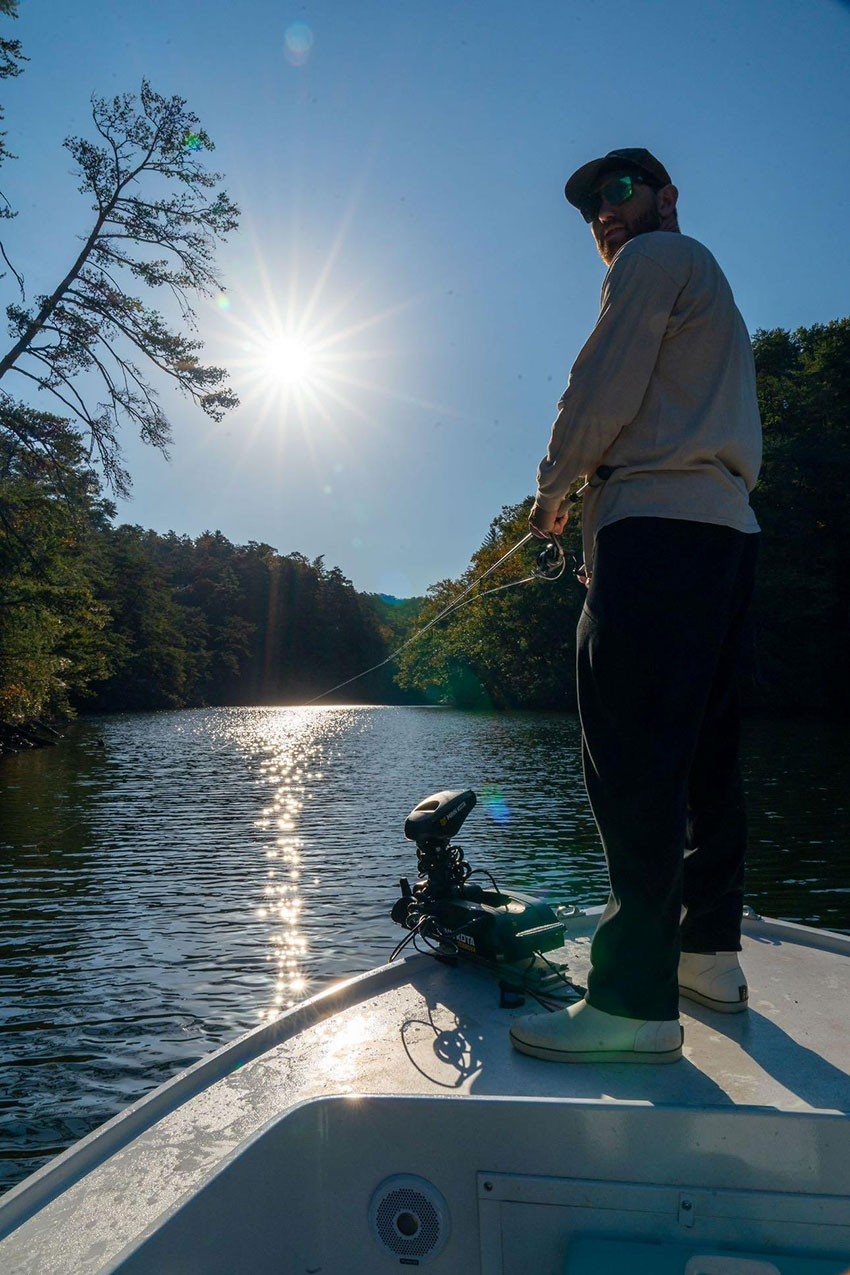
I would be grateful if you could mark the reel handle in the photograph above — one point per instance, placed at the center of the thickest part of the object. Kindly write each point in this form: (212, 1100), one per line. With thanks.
(551, 560)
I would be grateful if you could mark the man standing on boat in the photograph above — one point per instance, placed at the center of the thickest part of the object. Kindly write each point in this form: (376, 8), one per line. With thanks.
(661, 412)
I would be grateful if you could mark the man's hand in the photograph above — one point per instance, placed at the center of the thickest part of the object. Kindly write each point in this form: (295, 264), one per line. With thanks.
(542, 522)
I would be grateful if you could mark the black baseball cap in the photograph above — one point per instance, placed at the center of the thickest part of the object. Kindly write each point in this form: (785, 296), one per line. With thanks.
(580, 184)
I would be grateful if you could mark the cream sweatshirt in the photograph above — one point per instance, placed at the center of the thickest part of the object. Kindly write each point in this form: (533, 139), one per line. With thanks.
(664, 393)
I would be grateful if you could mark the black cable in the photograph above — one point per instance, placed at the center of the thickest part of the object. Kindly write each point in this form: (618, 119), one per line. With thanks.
(408, 938)
(418, 932)
(494, 884)
(560, 974)
(433, 949)
(547, 1005)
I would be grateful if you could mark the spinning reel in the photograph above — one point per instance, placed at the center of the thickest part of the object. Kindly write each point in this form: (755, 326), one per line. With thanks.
(551, 560)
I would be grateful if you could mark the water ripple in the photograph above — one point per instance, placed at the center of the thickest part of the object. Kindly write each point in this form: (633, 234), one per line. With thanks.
(204, 869)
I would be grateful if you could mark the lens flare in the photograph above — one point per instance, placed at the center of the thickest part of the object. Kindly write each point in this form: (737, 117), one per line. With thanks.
(293, 365)
(494, 803)
(298, 43)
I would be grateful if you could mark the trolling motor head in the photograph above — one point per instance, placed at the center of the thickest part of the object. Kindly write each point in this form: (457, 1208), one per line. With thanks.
(432, 824)
(490, 924)
(437, 819)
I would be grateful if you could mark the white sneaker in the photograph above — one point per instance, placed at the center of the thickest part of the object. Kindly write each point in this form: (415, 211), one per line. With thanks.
(714, 979)
(582, 1033)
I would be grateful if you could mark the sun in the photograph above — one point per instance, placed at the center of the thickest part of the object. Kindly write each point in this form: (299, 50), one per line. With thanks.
(306, 355)
(290, 362)
(293, 367)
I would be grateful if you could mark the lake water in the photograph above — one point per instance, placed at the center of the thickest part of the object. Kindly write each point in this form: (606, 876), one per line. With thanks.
(172, 879)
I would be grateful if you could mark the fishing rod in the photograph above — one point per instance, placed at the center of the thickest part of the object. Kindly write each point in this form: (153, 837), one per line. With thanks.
(550, 565)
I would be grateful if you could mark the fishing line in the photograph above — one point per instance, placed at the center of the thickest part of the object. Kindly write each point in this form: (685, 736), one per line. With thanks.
(559, 565)
(551, 563)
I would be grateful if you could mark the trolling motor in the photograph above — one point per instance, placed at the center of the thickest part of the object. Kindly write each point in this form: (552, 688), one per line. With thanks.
(493, 925)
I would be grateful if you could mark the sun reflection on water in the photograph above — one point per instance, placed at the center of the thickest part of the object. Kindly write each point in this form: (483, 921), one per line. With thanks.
(293, 742)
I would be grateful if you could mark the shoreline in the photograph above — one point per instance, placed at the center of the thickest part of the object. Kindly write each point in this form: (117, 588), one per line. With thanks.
(25, 736)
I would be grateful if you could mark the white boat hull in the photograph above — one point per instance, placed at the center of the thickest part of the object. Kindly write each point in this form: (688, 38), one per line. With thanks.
(272, 1155)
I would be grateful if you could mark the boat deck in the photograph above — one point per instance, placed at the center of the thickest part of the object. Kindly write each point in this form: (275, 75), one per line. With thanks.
(420, 1027)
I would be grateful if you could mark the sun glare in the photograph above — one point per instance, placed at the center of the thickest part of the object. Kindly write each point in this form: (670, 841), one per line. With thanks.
(299, 366)
(290, 362)
(305, 356)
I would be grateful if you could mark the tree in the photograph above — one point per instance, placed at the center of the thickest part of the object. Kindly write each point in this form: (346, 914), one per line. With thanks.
(161, 652)
(512, 649)
(10, 60)
(54, 639)
(803, 601)
(156, 224)
(67, 620)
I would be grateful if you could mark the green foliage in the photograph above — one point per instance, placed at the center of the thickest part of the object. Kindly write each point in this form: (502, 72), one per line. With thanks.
(517, 648)
(803, 610)
(512, 649)
(395, 616)
(208, 622)
(53, 627)
(160, 650)
(112, 618)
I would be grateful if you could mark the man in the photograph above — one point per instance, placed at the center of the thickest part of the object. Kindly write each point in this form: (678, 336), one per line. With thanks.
(661, 413)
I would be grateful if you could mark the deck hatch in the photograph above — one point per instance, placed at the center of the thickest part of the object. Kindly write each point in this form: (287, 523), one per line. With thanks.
(572, 1220)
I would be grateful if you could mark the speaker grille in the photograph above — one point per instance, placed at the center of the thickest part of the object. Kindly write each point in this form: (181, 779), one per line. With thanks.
(409, 1218)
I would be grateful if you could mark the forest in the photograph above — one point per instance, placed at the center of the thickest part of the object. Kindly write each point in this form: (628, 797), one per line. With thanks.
(106, 618)
(99, 617)
(515, 649)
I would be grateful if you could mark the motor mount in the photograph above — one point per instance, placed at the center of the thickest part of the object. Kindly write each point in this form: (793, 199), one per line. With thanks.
(443, 905)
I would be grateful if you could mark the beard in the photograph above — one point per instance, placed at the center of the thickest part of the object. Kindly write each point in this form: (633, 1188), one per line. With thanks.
(641, 224)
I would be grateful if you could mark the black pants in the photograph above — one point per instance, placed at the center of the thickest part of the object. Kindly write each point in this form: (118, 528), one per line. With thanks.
(659, 645)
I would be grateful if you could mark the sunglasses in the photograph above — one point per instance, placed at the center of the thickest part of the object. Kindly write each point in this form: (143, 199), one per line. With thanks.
(617, 191)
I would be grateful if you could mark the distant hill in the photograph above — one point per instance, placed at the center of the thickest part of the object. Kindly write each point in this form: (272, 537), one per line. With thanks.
(396, 616)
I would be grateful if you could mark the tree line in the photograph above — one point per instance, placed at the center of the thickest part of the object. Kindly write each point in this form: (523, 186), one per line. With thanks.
(104, 617)
(515, 649)
(96, 616)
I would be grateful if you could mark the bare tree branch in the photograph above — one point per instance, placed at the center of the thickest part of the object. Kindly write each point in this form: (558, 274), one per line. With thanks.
(18, 276)
(144, 140)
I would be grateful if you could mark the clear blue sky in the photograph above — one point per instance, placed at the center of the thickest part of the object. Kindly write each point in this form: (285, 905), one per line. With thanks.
(403, 185)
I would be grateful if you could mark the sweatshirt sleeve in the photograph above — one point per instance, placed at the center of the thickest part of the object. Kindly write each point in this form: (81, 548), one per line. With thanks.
(610, 376)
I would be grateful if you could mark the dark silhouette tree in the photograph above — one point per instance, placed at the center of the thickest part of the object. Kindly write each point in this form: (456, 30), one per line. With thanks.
(802, 504)
(157, 218)
(11, 58)
(54, 628)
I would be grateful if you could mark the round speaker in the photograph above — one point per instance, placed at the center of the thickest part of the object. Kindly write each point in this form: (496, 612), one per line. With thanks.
(409, 1219)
